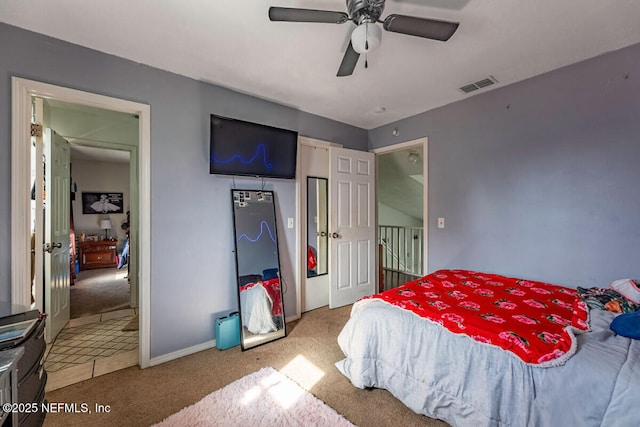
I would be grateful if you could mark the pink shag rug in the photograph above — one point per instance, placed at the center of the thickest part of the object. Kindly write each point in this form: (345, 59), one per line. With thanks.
(263, 398)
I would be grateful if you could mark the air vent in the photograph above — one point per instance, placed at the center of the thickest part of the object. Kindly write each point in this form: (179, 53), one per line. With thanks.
(480, 84)
(469, 88)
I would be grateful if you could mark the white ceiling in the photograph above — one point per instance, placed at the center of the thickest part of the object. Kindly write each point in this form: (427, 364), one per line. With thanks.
(232, 43)
(89, 128)
(81, 153)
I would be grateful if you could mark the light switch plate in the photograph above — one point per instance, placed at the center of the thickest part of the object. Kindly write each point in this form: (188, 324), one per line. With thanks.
(290, 223)
(440, 222)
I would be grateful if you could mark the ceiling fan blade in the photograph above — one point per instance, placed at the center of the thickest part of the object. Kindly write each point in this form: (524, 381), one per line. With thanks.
(349, 61)
(420, 27)
(307, 15)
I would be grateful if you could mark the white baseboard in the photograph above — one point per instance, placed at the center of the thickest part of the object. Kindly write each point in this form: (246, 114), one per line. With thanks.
(181, 353)
(292, 318)
(196, 348)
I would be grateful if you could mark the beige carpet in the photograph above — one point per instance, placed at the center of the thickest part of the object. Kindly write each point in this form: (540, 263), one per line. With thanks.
(142, 397)
(98, 291)
(266, 398)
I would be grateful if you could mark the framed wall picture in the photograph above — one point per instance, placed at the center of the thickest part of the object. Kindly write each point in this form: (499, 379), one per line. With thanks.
(101, 203)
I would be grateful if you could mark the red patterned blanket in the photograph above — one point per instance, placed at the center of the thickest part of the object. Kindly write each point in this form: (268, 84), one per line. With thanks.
(531, 319)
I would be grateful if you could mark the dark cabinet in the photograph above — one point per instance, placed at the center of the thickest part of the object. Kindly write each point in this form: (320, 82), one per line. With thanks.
(27, 333)
(97, 254)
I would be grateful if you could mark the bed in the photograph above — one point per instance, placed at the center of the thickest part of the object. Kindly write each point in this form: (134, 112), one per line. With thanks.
(592, 379)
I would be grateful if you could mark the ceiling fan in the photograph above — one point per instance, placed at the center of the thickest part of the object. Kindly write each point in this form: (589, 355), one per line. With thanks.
(367, 35)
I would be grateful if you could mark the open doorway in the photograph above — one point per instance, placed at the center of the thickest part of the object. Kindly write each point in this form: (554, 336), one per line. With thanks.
(99, 326)
(102, 280)
(329, 179)
(23, 91)
(401, 194)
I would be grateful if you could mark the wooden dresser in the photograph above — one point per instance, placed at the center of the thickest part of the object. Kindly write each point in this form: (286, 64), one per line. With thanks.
(97, 254)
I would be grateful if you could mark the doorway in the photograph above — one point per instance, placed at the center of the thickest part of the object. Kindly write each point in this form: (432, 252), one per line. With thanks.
(88, 303)
(102, 281)
(345, 180)
(314, 289)
(23, 90)
(402, 184)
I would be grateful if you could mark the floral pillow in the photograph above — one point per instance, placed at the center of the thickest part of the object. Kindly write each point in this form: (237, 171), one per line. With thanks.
(628, 288)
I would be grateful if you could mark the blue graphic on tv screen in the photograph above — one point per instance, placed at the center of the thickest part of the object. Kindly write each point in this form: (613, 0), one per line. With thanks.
(237, 147)
(263, 225)
(237, 157)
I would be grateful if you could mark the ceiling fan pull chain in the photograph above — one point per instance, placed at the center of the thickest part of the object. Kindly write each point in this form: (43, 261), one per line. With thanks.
(366, 36)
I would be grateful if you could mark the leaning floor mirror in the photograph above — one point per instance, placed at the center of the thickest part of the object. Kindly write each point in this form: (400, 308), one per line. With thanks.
(257, 267)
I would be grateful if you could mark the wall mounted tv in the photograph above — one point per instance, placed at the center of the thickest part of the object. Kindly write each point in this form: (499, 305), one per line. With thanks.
(250, 149)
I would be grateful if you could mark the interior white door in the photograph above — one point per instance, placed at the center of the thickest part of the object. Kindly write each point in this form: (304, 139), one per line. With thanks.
(57, 206)
(351, 226)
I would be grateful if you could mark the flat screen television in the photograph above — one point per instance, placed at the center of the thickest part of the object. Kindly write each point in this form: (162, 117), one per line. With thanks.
(250, 149)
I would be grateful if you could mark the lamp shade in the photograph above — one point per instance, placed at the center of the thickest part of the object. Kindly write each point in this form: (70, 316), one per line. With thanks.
(366, 37)
(105, 224)
(413, 156)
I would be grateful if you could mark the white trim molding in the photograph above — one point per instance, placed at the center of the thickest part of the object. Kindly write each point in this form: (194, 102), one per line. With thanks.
(181, 353)
(22, 92)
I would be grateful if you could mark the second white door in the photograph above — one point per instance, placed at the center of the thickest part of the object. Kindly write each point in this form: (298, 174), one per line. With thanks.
(57, 268)
(351, 226)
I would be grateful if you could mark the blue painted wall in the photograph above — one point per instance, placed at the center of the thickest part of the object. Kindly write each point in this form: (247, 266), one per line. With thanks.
(192, 267)
(539, 179)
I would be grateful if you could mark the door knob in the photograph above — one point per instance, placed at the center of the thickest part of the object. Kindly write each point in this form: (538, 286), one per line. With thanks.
(335, 235)
(50, 247)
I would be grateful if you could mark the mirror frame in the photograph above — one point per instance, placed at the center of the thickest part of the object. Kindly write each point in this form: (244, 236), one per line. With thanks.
(281, 332)
(326, 226)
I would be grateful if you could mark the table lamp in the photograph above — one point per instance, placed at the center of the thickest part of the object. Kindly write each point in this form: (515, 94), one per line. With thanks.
(105, 224)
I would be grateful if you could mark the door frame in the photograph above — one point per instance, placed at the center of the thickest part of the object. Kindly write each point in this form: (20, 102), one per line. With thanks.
(425, 188)
(22, 90)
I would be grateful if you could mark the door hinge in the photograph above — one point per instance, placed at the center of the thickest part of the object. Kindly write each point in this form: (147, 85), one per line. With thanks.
(36, 130)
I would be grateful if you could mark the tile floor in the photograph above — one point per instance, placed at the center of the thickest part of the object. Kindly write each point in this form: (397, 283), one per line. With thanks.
(91, 346)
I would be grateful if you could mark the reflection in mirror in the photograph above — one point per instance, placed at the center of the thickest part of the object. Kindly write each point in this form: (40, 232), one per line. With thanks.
(317, 237)
(258, 267)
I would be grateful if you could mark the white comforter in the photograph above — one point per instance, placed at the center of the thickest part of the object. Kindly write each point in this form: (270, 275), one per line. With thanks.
(465, 383)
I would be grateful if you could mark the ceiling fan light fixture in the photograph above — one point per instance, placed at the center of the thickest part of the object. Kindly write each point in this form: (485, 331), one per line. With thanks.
(413, 156)
(366, 37)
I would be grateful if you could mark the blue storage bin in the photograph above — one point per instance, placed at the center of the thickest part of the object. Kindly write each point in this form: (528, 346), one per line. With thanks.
(228, 331)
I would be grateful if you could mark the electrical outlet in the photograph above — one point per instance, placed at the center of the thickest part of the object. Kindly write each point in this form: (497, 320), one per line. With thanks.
(440, 222)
